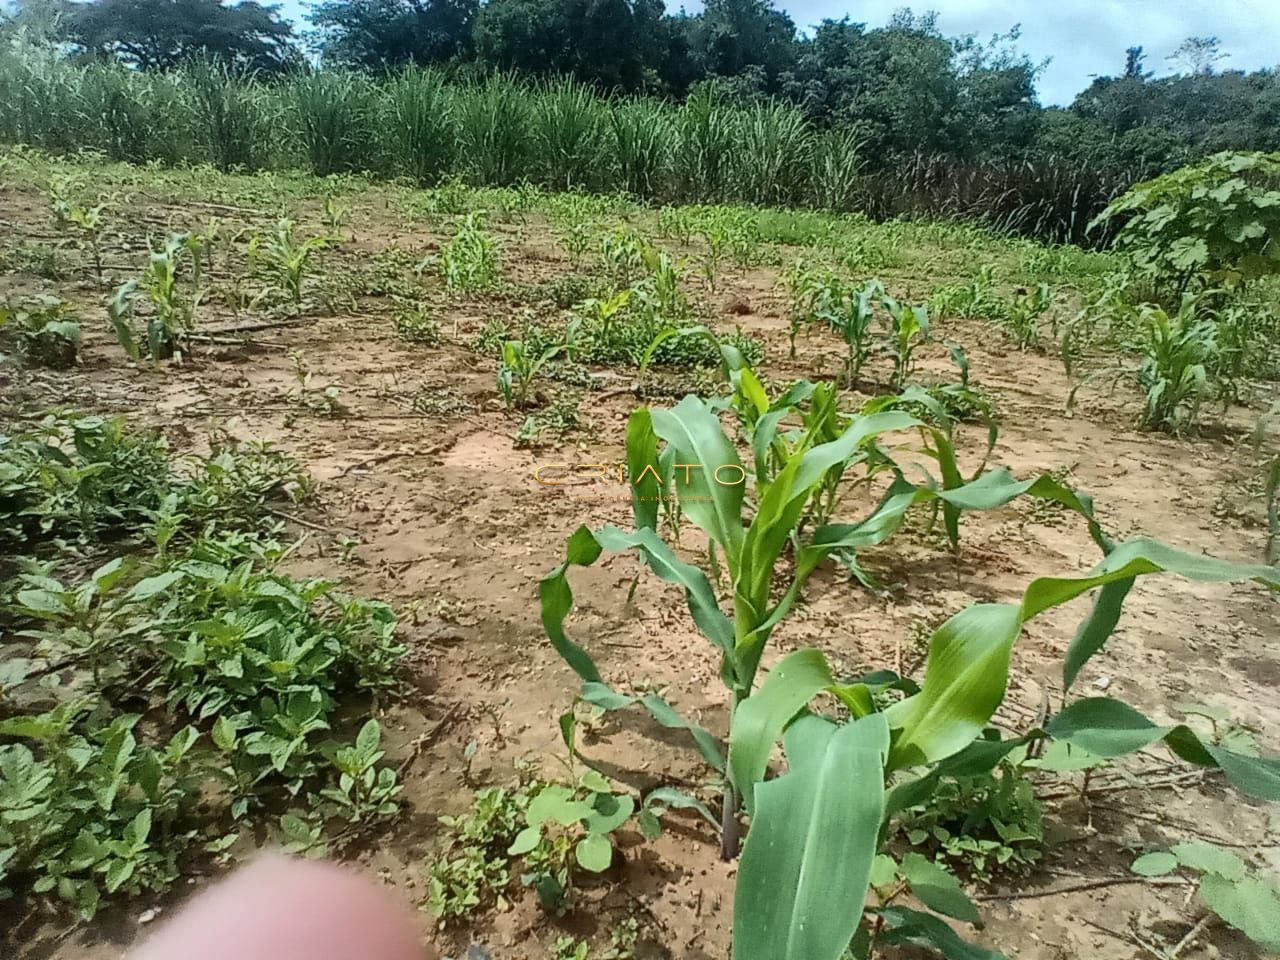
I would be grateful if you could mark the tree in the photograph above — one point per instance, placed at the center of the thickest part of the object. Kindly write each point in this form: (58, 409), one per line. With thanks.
(160, 34)
(1134, 60)
(379, 33)
(1198, 54)
(731, 36)
(609, 43)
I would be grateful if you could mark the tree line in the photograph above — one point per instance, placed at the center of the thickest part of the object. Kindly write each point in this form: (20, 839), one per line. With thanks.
(900, 89)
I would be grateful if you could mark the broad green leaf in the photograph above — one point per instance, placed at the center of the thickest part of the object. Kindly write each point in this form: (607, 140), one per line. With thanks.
(1251, 905)
(525, 840)
(642, 468)
(610, 811)
(369, 736)
(556, 803)
(884, 870)
(679, 800)
(594, 852)
(149, 587)
(937, 889)
(1205, 857)
(1136, 557)
(965, 677)
(1256, 776)
(925, 930)
(760, 719)
(1159, 863)
(1109, 728)
(707, 472)
(807, 862)
(43, 603)
(1094, 631)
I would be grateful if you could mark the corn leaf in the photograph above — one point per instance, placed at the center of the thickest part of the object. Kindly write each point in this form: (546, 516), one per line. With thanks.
(964, 684)
(762, 717)
(807, 860)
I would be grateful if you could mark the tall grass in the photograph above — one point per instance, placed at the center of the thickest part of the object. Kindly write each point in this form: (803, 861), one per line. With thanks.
(494, 131)
(231, 111)
(499, 131)
(333, 113)
(776, 146)
(418, 125)
(568, 134)
(640, 146)
(705, 146)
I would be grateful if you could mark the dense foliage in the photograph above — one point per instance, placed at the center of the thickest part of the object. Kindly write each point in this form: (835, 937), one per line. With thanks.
(941, 125)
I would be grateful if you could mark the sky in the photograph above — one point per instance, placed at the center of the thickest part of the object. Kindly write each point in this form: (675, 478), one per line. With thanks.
(1084, 38)
(1081, 38)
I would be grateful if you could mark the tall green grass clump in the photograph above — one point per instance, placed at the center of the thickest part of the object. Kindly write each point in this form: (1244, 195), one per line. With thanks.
(232, 114)
(333, 113)
(494, 132)
(418, 125)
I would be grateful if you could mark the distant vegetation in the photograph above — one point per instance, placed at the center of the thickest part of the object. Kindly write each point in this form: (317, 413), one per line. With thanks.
(731, 104)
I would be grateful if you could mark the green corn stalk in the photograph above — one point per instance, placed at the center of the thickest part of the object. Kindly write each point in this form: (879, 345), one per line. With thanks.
(909, 328)
(709, 482)
(287, 257)
(519, 368)
(1176, 352)
(816, 830)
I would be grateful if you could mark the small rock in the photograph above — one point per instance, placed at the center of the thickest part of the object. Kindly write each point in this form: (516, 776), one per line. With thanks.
(1102, 683)
(149, 914)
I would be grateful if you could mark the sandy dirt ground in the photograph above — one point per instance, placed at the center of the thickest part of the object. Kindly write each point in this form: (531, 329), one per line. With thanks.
(452, 529)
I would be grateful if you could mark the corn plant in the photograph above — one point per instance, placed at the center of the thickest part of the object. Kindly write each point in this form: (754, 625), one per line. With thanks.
(286, 257)
(849, 312)
(660, 290)
(976, 299)
(908, 329)
(813, 852)
(520, 366)
(709, 482)
(87, 223)
(601, 313)
(1022, 318)
(716, 237)
(469, 260)
(621, 257)
(799, 286)
(172, 312)
(1175, 353)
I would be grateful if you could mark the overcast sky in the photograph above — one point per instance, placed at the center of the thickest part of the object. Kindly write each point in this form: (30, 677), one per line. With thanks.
(1083, 37)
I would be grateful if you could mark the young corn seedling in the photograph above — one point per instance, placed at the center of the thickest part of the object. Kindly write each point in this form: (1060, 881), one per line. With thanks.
(172, 314)
(800, 287)
(622, 257)
(335, 215)
(469, 261)
(1176, 354)
(286, 257)
(709, 482)
(519, 368)
(908, 329)
(87, 223)
(1022, 320)
(601, 313)
(849, 312)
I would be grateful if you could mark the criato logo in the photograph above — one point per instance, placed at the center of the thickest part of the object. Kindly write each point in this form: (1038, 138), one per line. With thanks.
(564, 474)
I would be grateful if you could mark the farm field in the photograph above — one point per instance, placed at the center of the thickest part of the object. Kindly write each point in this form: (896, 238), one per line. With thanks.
(429, 358)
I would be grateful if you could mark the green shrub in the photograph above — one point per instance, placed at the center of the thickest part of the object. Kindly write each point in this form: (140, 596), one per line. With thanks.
(1210, 224)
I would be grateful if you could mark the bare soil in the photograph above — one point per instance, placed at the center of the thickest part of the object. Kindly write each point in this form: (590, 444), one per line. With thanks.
(453, 529)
